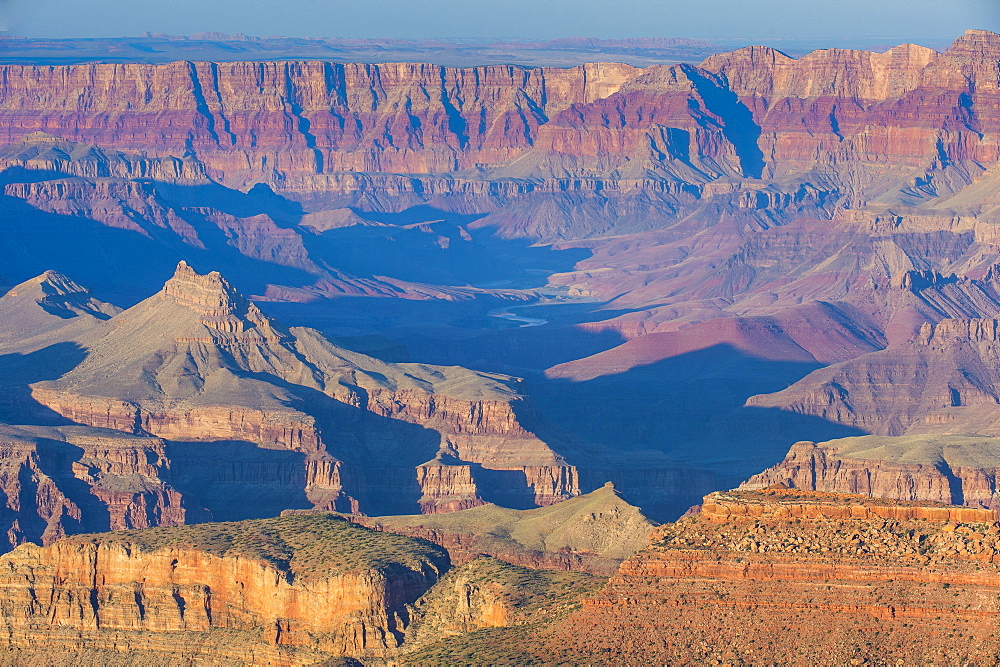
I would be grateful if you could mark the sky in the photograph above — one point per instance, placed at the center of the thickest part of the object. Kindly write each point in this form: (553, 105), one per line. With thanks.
(488, 20)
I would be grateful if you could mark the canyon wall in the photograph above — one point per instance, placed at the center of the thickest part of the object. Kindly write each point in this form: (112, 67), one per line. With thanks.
(953, 469)
(786, 575)
(166, 592)
(260, 118)
(60, 480)
(941, 379)
(395, 134)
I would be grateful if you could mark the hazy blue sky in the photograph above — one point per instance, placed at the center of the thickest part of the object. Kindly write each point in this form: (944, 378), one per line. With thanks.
(503, 19)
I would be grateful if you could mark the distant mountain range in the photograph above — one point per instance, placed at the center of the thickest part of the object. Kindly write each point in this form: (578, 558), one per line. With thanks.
(563, 52)
(221, 47)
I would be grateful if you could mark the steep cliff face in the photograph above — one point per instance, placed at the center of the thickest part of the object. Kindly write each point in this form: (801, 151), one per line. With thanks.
(289, 590)
(70, 479)
(851, 102)
(256, 118)
(943, 380)
(782, 575)
(954, 469)
(398, 134)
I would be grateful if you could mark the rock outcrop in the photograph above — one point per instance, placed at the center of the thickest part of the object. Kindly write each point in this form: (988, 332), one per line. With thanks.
(942, 380)
(953, 469)
(485, 594)
(287, 591)
(784, 575)
(198, 363)
(70, 479)
(592, 533)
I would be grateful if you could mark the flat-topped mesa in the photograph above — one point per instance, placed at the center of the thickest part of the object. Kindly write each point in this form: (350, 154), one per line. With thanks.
(943, 468)
(782, 503)
(220, 305)
(947, 332)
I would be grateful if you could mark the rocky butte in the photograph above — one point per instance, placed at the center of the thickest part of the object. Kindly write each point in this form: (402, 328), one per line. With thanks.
(198, 362)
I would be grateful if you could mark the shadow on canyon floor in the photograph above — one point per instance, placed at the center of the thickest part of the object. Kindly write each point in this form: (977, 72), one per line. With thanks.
(452, 333)
(233, 480)
(19, 371)
(379, 454)
(428, 245)
(691, 408)
(123, 265)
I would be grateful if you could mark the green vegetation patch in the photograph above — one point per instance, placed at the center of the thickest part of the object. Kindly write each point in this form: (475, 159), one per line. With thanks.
(490, 646)
(959, 450)
(599, 522)
(306, 547)
(528, 590)
(537, 598)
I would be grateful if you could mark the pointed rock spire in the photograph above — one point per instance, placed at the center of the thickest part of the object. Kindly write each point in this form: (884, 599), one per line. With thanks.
(208, 294)
(219, 304)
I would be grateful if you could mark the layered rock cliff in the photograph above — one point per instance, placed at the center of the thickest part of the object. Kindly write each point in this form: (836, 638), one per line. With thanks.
(781, 575)
(70, 479)
(306, 117)
(285, 591)
(397, 134)
(198, 362)
(942, 380)
(954, 469)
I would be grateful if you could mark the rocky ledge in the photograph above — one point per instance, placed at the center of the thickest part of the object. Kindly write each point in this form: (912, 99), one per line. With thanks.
(945, 468)
(789, 575)
(288, 591)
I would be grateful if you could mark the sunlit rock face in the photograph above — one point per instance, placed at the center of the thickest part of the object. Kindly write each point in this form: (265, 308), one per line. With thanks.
(289, 591)
(784, 574)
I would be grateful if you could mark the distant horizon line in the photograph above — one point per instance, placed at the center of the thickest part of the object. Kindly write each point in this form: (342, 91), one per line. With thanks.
(220, 36)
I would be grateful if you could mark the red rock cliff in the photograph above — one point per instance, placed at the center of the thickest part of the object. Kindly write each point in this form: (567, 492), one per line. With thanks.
(152, 592)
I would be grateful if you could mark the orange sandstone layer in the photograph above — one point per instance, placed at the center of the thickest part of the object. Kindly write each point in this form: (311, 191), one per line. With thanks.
(256, 583)
(791, 576)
